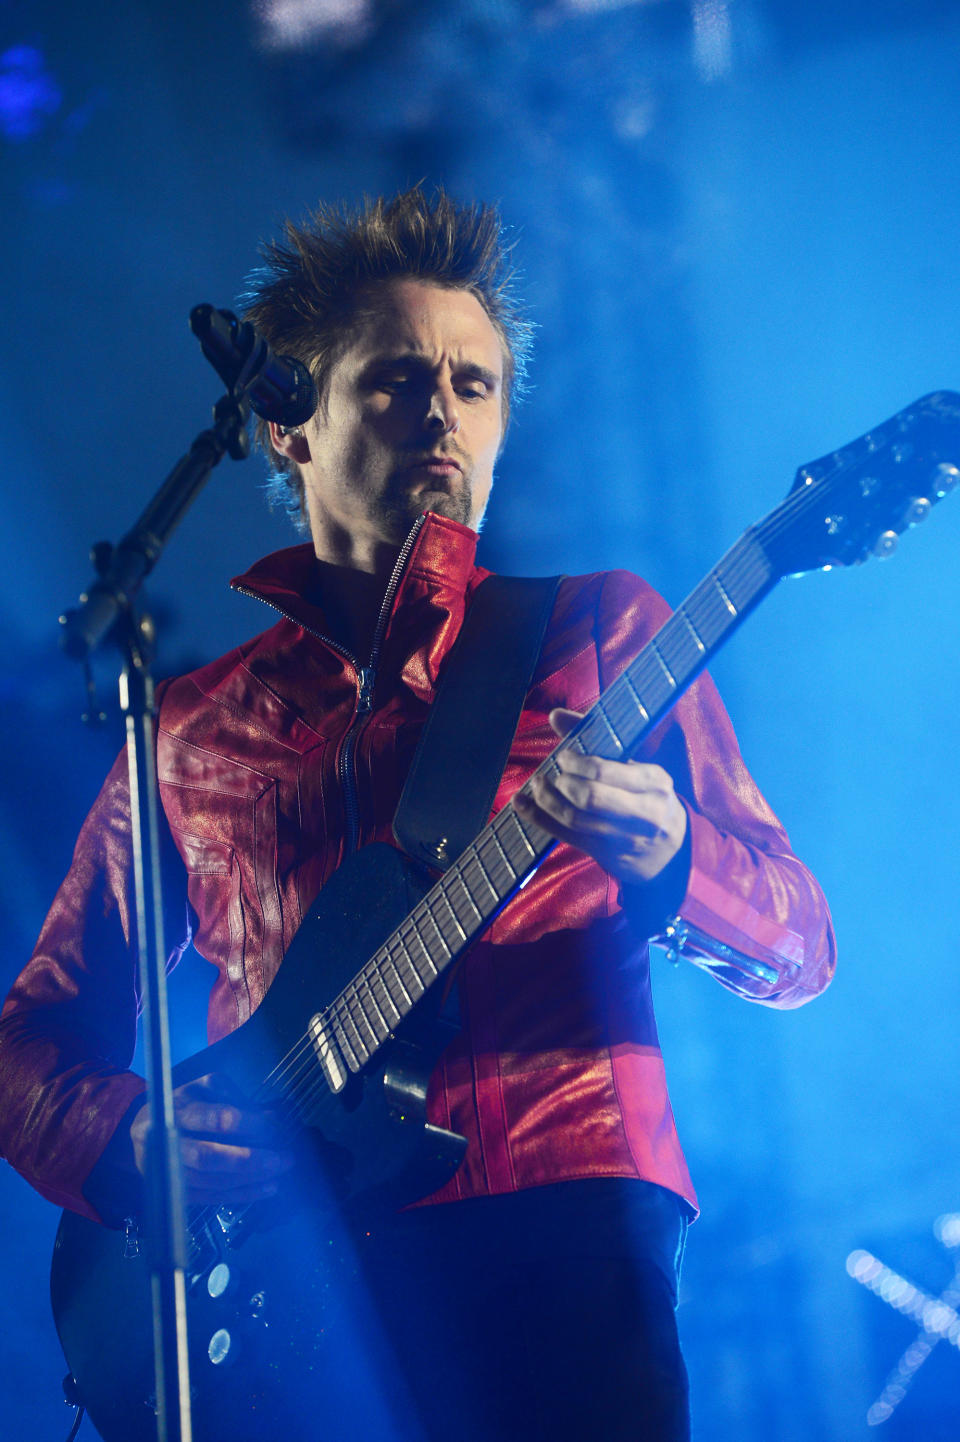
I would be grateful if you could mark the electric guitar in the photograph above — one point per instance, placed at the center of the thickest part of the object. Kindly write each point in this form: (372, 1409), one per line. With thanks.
(340, 1047)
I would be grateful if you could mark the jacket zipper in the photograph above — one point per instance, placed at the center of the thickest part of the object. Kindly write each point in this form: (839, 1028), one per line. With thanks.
(366, 682)
(685, 940)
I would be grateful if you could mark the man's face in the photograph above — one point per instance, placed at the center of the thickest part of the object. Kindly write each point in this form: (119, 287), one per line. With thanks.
(411, 422)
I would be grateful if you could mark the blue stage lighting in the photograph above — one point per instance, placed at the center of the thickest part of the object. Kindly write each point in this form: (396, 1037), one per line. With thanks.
(29, 95)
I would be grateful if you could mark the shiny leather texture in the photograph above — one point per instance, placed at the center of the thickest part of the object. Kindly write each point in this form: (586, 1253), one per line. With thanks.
(557, 1072)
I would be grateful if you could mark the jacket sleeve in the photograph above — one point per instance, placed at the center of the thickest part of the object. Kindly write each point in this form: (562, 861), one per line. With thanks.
(68, 1026)
(738, 902)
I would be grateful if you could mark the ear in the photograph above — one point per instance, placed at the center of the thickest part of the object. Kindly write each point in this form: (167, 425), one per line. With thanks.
(290, 443)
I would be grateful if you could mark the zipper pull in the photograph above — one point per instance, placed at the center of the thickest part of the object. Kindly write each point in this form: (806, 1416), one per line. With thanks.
(366, 676)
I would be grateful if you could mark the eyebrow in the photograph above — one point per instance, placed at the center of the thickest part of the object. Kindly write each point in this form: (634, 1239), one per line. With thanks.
(470, 369)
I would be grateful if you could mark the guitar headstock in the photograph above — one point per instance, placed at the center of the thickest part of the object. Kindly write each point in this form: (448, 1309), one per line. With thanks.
(854, 502)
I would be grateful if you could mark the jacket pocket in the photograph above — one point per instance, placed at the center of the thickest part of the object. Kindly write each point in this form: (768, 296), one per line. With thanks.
(223, 817)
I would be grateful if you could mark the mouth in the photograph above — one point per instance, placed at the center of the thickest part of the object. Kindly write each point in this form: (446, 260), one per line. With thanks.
(442, 468)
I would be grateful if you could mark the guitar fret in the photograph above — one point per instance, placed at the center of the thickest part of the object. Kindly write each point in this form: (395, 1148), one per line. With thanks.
(328, 1053)
(621, 711)
(723, 593)
(444, 898)
(682, 649)
(642, 710)
(503, 842)
(603, 712)
(358, 1010)
(422, 970)
(595, 735)
(430, 901)
(493, 866)
(343, 1044)
(712, 618)
(394, 972)
(423, 918)
(475, 860)
(412, 982)
(458, 879)
(525, 829)
(744, 573)
(384, 967)
(380, 1033)
(671, 678)
(511, 831)
(351, 1030)
(486, 877)
(697, 638)
(650, 675)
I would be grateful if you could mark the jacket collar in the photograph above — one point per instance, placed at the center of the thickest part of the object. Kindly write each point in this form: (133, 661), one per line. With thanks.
(427, 609)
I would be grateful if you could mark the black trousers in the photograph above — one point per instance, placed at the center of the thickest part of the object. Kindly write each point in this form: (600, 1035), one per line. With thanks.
(543, 1316)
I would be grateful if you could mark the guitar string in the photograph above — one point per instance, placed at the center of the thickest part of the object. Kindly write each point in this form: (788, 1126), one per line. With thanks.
(348, 1011)
(372, 973)
(301, 1059)
(398, 952)
(297, 1099)
(350, 1014)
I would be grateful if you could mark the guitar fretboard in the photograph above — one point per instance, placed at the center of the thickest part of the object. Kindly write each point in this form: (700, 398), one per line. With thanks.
(466, 899)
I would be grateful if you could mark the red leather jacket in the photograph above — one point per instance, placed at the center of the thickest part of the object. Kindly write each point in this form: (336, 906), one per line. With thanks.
(557, 1072)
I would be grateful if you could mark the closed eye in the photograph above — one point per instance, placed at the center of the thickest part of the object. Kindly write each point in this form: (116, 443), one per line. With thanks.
(396, 383)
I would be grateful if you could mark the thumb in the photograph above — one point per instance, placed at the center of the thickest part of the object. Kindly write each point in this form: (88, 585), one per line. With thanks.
(563, 721)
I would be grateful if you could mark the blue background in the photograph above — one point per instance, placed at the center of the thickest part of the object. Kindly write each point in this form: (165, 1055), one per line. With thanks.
(737, 225)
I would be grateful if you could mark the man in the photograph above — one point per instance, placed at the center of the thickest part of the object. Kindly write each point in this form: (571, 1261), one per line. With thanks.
(533, 1295)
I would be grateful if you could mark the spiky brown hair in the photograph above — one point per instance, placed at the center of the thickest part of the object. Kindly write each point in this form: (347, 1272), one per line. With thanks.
(320, 281)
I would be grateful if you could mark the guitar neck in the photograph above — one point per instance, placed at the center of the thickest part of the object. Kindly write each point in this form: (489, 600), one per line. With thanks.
(466, 899)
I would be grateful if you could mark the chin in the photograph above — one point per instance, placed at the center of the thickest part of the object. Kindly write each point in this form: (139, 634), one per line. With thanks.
(455, 508)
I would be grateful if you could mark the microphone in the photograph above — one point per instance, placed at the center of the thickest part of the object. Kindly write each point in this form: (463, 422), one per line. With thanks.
(278, 387)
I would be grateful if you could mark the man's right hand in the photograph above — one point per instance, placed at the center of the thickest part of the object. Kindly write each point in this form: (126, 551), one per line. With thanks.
(230, 1151)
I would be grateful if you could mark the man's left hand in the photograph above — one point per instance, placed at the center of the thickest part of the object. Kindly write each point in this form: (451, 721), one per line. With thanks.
(625, 814)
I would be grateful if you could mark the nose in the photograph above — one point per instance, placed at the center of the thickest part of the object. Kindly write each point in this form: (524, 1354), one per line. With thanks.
(443, 415)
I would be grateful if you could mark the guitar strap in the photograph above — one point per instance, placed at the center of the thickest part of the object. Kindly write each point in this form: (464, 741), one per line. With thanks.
(466, 739)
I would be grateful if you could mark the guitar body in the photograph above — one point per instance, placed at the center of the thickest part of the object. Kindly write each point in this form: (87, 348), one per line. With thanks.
(271, 1284)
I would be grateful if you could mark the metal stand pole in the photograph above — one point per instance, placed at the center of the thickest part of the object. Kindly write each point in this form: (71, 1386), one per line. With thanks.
(166, 1252)
(106, 608)
(278, 388)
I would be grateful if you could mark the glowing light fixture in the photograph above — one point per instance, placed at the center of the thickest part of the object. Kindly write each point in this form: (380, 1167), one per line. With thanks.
(291, 24)
(937, 1317)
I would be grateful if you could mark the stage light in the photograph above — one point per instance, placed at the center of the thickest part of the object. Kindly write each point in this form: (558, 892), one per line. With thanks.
(292, 24)
(712, 38)
(946, 1229)
(28, 92)
(937, 1317)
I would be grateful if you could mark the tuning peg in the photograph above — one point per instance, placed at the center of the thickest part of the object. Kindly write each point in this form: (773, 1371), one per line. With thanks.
(885, 545)
(918, 509)
(944, 478)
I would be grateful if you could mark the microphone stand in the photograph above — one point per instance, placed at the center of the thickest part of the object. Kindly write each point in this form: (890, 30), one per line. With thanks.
(108, 608)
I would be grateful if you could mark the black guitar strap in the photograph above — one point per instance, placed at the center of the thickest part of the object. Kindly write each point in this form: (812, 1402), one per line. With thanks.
(466, 740)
